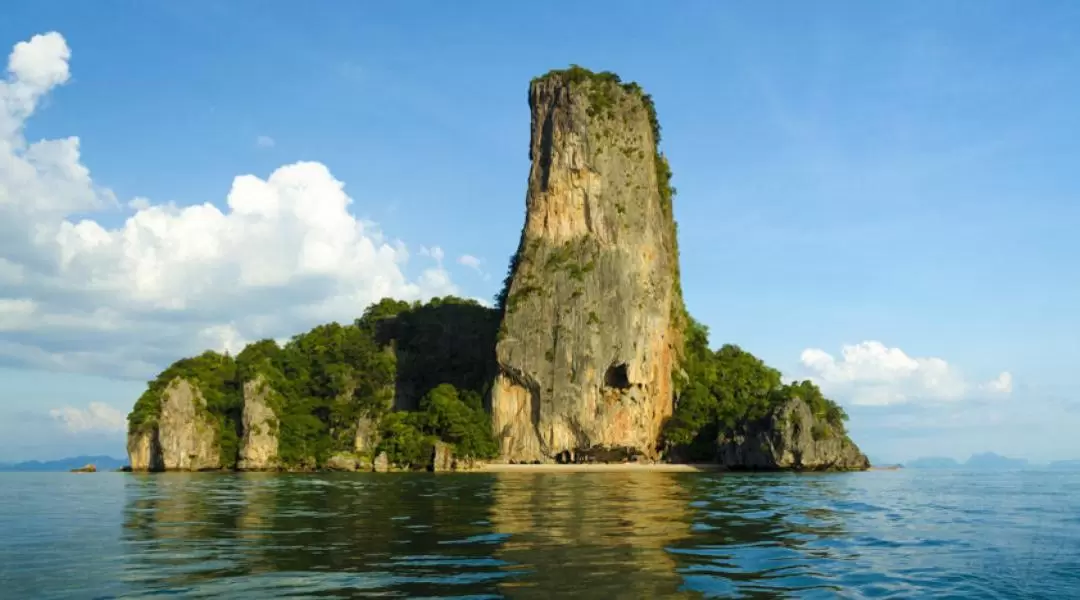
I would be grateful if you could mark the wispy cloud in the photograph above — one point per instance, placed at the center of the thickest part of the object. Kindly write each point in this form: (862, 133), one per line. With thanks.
(434, 252)
(265, 141)
(96, 417)
(470, 261)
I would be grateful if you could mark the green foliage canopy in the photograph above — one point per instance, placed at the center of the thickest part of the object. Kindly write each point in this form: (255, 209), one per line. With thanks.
(730, 388)
(322, 382)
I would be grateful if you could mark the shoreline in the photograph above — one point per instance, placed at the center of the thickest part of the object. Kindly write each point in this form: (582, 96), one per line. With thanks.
(628, 467)
(595, 468)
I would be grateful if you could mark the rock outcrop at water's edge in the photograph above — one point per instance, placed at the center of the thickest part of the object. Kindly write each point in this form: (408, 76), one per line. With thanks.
(789, 438)
(442, 457)
(183, 438)
(144, 452)
(590, 327)
(259, 446)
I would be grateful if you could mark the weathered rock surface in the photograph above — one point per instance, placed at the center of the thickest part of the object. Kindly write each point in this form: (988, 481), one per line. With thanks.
(442, 457)
(790, 438)
(381, 463)
(367, 436)
(183, 438)
(590, 327)
(344, 461)
(259, 446)
(462, 463)
(144, 452)
(187, 434)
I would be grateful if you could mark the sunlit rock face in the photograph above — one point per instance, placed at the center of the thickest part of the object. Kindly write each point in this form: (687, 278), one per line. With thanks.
(183, 438)
(590, 328)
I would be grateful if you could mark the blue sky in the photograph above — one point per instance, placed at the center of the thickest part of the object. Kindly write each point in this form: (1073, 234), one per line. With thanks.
(898, 180)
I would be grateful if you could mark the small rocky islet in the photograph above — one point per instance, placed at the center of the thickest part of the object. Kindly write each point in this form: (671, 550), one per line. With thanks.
(588, 356)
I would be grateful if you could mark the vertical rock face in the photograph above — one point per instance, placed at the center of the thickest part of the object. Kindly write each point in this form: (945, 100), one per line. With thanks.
(442, 457)
(592, 307)
(259, 447)
(183, 438)
(367, 436)
(186, 433)
(144, 453)
(790, 438)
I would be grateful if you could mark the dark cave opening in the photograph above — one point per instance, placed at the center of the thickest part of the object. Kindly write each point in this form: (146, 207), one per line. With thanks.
(617, 376)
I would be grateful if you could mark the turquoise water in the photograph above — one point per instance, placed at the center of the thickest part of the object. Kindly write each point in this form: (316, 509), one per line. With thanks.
(902, 534)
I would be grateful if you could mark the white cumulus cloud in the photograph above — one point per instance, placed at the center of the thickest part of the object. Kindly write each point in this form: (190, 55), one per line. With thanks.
(870, 373)
(124, 288)
(470, 261)
(96, 417)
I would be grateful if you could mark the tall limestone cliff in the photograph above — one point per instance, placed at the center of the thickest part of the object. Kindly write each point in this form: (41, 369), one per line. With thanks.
(181, 438)
(259, 447)
(592, 309)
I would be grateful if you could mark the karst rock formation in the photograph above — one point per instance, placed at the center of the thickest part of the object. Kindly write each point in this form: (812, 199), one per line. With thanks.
(591, 329)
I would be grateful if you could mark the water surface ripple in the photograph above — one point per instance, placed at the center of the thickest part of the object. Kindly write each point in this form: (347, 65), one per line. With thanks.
(898, 534)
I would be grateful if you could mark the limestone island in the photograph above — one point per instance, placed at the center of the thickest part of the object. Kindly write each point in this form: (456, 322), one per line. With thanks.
(588, 358)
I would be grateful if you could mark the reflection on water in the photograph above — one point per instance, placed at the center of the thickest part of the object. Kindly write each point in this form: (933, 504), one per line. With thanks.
(604, 534)
(533, 535)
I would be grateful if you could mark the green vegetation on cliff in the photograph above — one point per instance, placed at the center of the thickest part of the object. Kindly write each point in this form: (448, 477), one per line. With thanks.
(438, 359)
(729, 388)
(434, 358)
(214, 375)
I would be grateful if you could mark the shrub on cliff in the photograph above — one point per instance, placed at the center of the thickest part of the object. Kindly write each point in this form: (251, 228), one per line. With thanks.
(459, 419)
(404, 441)
(326, 379)
(727, 389)
(445, 414)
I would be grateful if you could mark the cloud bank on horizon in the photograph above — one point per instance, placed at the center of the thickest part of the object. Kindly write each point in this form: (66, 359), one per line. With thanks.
(95, 284)
(870, 373)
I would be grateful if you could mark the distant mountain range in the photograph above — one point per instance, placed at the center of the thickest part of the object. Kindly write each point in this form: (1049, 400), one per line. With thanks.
(103, 463)
(933, 462)
(985, 460)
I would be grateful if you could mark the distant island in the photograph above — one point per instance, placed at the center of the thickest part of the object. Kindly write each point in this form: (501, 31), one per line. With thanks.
(102, 463)
(990, 460)
(589, 355)
(985, 460)
(933, 462)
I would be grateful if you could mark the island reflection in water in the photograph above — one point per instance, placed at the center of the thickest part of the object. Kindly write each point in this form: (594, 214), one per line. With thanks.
(503, 534)
(532, 535)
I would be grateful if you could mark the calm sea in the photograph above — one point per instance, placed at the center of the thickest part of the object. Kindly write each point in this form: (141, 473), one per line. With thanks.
(902, 534)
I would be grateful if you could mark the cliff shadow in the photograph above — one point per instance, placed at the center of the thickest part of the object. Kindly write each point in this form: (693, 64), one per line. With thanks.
(445, 341)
